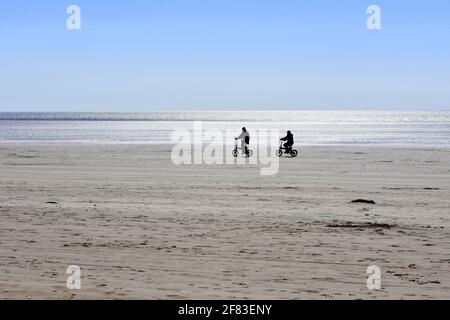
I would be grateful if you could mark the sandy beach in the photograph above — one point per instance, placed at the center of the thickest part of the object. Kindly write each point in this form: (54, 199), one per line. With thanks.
(141, 227)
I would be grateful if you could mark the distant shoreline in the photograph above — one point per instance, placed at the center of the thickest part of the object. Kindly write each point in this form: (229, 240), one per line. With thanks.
(236, 116)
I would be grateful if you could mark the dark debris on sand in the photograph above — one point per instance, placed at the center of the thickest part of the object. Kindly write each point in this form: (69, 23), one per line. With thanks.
(364, 225)
(363, 201)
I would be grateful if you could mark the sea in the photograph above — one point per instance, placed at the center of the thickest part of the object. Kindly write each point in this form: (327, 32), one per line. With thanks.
(390, 128)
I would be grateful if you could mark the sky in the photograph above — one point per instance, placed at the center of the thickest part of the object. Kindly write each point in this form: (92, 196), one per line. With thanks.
(181, 55)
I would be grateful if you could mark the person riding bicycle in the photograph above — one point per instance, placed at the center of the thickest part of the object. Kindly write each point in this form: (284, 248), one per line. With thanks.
(245, 140)
(289, 141)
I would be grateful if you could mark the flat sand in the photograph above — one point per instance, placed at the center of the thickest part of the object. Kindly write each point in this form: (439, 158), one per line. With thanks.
(141, 227)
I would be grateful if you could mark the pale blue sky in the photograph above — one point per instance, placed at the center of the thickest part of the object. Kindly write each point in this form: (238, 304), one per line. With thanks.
(170, 55)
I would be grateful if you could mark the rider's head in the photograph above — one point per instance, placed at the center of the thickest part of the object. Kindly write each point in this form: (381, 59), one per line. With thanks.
(289, 132)
(243, 129)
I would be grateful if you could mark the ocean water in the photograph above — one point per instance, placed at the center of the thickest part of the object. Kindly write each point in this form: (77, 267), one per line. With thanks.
(309, 127)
